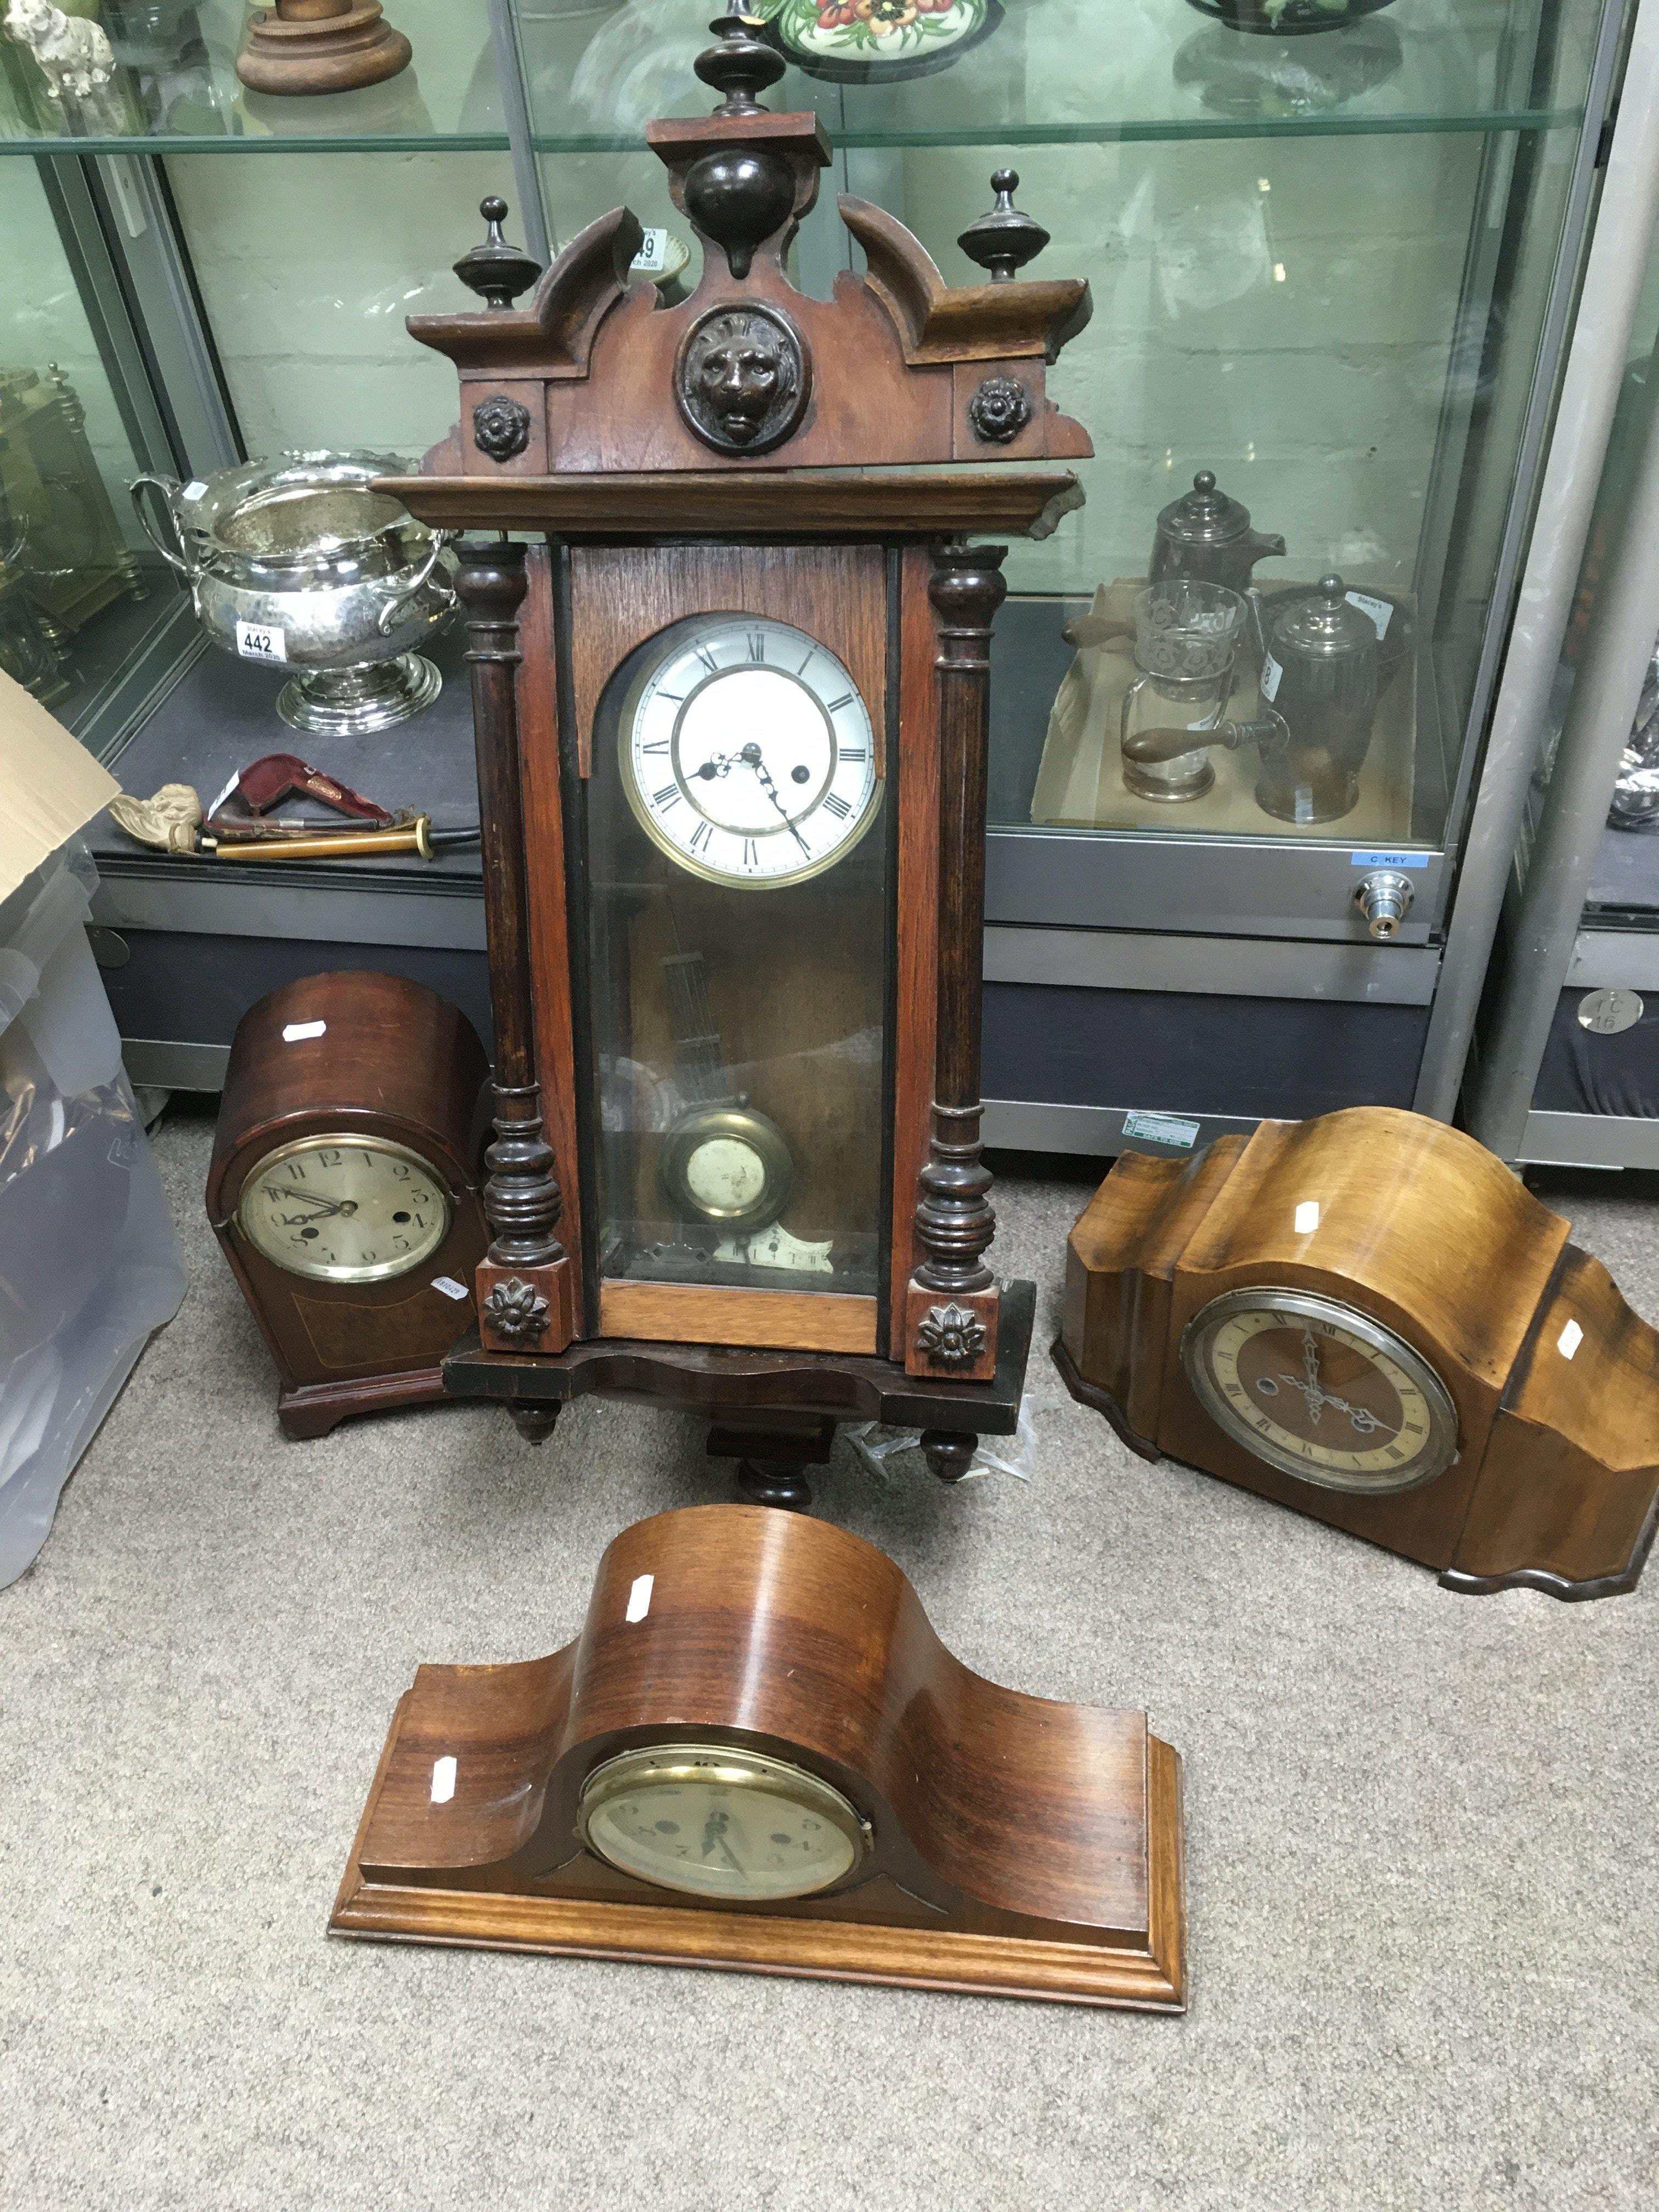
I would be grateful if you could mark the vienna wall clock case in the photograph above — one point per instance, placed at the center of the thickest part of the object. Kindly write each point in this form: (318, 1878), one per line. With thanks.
(731, 705)
(1368, 1318)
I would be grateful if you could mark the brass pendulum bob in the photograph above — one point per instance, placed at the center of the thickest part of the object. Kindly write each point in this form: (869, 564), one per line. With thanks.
(320, 45)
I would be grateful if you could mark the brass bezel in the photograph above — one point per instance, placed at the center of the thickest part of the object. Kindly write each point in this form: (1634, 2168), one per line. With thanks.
(732, 1766)
(748, 1127)
(348, 1140)
(1440, 1451)
(666, 641)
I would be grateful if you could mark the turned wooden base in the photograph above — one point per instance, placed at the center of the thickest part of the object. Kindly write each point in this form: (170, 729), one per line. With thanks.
(1619, 1584)
(313, 1408)
(1090, 1393)
(746, 1391)
(319, 50)
(1016, 1847)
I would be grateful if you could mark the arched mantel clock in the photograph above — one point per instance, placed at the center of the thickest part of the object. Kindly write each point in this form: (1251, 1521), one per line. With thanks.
(731, 706)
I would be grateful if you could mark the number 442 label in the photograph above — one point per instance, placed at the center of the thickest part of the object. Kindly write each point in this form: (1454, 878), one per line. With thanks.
(261, 641)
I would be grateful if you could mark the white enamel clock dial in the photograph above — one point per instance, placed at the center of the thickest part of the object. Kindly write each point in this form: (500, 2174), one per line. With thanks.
(1320, 1390)
(747, 752)
(344, 1209)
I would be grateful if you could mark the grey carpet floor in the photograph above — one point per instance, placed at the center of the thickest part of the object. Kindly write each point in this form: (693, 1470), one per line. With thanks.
(1421, 1836)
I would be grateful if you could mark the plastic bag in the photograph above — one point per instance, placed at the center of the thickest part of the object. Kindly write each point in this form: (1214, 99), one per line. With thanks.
(89, 1258)
(875, 1445)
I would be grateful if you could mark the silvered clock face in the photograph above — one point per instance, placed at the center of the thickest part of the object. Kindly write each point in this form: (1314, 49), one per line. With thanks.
(1320, 1390)
(344, 1209)
(719, 1821)
(747, 752)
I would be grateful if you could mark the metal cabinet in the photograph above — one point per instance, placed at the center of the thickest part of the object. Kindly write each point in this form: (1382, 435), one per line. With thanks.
(1333, 270)
(1566, 1065)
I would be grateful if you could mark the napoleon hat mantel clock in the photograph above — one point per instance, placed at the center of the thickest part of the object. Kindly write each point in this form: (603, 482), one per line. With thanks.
(730, 714)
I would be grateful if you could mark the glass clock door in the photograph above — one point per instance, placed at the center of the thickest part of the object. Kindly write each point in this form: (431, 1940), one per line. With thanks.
(738, 864)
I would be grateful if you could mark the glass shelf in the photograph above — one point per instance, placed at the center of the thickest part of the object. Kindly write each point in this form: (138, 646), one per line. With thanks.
(1044, 76)
(175, 90)
(596, 74)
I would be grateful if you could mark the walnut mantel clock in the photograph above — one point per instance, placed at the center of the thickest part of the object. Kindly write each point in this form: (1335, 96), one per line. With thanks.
(1368, 1318)
(730, 707)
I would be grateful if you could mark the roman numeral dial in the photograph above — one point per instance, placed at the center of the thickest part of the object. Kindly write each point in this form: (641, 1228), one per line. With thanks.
(747, 752)
(1320, 1390)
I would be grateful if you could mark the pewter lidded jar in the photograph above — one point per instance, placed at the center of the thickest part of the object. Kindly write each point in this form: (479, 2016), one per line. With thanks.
(1206, 536)
(1320, 676)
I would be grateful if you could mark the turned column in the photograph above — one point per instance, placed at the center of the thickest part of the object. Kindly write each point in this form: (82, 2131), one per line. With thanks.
(951, 1308)
(524, 1285)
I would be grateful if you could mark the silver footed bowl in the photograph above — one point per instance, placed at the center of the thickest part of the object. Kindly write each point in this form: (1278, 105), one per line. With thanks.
(297, 562)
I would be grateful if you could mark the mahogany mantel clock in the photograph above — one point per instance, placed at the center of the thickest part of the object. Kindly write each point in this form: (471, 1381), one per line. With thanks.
(731, 710)
(343, 1188)
(757, 1754)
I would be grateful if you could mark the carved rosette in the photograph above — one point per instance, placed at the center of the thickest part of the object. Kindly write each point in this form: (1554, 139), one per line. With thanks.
(952, 1336)
(999, 410)
(500, 428)
(517, 1310)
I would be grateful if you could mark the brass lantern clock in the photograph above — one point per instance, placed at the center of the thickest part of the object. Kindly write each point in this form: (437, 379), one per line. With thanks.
(730, 704)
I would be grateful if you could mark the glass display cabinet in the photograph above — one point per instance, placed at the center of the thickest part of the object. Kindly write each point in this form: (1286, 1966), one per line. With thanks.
(1566, 1069)
(1333, 247)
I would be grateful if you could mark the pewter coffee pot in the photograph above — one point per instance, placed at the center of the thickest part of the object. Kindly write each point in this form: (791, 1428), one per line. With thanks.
(1207, 536)
(1319, 674)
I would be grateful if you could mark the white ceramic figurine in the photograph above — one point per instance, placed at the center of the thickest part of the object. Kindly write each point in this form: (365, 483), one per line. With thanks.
(74, 56)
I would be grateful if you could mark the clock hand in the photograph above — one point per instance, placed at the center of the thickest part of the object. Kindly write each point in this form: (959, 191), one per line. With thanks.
(1318, 1398)
(1315, 1390)
(1362, 1417)
(752, 754)
(310, 1198)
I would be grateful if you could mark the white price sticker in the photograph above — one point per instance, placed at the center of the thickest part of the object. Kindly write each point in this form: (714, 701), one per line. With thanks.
(1380, 610)
(262, 641)
(297, 1032)
(449, 1286)
(653, 256)
(1271, 672)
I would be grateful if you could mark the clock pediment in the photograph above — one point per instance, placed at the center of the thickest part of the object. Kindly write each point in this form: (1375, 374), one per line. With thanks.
(898, 369)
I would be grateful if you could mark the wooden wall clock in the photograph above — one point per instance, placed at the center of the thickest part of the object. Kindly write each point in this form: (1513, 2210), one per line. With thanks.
(345, 1188)
(731, 711)
(1369, 1318)
(757, 1754)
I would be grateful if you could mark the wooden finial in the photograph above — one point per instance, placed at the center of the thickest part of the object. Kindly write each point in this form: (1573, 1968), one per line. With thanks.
(496, 271)
(1005, 240)
(739, 64)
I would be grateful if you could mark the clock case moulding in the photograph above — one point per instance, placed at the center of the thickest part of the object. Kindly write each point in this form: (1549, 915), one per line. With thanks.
(1555, 1382)
(831, 495)
(1017, 1846)
(378, 1056)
